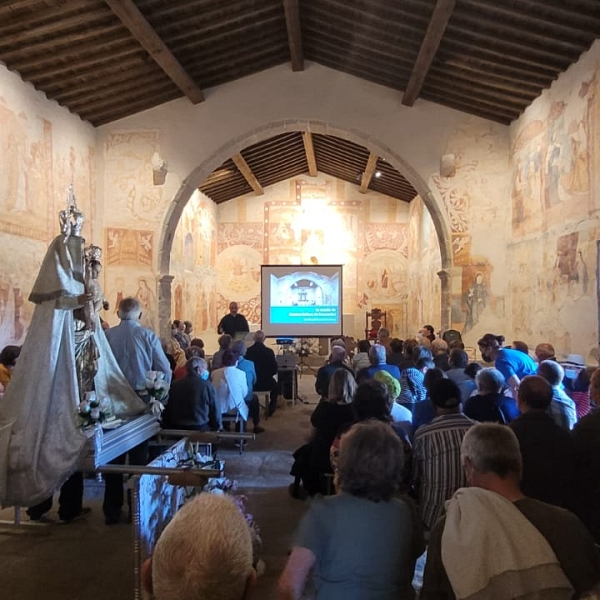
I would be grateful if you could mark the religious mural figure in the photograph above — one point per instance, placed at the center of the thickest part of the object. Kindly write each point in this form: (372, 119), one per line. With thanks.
(476, 301)
(147, 299)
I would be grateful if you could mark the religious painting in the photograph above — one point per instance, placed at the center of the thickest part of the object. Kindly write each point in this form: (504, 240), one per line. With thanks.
(385, 275)
(238, 273)
(283, 233)
(386, 236)
(475, 285)
(129, 247)
(240, 234)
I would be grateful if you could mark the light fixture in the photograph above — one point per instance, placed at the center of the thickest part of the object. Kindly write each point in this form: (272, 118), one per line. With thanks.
(377, 174)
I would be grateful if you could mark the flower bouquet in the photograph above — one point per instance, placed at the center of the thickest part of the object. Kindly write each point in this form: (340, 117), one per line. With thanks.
(157, 389)
(91, 410)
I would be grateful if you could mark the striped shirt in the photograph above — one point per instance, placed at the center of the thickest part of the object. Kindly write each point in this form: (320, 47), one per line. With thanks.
(437, 470)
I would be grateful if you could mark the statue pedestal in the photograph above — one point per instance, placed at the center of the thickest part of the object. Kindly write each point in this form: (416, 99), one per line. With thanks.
(118, 441)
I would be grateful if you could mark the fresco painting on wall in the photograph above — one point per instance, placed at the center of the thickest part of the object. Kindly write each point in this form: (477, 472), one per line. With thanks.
(552, 180)
(128, 174)
(475, 294)
(129, 247)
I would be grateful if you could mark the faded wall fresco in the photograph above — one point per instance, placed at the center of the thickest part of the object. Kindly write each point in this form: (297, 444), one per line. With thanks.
(321, 220)
(43, 149)
(424, 262)
(474, 200)
(555, 153)
(193, 265)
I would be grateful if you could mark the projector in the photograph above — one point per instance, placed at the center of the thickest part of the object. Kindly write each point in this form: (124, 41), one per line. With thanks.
(284, 341)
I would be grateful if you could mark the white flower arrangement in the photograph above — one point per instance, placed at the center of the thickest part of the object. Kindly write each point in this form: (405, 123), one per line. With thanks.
(91, 410)
(156, 385)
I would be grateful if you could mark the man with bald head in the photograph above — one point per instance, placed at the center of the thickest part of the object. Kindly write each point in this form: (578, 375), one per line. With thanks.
(265, 366)
(233, 323)
(336, 361)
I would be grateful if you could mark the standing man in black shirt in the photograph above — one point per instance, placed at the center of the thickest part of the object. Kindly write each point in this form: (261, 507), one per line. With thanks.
(233, 322)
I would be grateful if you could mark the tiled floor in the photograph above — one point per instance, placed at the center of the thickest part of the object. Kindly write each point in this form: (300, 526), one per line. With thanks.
(88, 560)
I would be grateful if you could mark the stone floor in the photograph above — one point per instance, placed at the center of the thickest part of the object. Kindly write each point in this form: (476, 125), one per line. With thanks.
(87, 560)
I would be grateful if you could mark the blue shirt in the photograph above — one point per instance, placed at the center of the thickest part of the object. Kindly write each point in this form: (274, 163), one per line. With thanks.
(247, 366)
(514, 362)
(137, 350)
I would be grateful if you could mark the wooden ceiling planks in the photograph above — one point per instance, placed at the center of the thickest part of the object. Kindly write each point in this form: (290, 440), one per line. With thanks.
(493, 57)
(285, 155)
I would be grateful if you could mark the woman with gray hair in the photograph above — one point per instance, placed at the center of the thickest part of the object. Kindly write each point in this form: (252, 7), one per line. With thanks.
(490, 404)
(364, 542)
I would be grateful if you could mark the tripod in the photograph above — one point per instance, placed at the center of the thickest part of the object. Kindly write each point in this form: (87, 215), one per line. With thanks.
(302, 364)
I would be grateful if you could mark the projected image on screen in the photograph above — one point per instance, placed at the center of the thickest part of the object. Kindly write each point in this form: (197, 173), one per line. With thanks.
(302, 300)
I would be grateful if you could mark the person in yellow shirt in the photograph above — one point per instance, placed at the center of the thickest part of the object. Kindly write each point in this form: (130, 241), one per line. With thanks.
(8, 360)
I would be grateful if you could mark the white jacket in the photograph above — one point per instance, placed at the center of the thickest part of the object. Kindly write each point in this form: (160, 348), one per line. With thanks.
(231, 388)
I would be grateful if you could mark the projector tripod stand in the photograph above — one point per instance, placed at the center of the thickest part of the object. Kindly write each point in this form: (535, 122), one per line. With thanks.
(302, 365)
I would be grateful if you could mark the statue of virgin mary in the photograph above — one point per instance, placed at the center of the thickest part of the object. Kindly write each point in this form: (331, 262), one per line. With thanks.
(41, 439)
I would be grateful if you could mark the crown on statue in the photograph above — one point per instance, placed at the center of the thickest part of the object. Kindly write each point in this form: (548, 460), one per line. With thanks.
(93, 252)
(71, 218)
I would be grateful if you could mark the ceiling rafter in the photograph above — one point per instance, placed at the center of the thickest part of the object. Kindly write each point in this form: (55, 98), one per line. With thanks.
(144, 33)
(433, 36)
(294, 33)
(249, 176)
(310, 153)
(368, 173)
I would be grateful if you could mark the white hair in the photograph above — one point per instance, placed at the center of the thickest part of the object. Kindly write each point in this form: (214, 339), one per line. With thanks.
(129, 309)
(205, 553)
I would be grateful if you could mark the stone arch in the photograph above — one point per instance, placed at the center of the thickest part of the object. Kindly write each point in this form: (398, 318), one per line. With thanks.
(203, 170)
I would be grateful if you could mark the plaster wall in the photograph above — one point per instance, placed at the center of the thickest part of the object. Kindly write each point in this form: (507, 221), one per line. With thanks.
(43, 148)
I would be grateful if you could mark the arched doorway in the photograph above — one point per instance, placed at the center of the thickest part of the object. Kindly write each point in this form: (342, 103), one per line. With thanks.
(202, 172)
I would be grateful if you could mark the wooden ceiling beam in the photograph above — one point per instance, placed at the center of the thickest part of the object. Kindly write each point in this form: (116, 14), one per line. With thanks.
(433, 36)
(310, 153)
(368, 173)
(143, 32)
(246, 171)
(294, 33)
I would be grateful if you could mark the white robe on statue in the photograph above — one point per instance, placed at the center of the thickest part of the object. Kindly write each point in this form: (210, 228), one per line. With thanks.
(41, 441)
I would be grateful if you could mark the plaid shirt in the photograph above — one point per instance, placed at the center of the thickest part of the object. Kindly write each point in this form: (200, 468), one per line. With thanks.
(437, 470)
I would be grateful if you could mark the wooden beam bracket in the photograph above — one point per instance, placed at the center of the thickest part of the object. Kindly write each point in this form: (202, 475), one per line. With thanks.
(246, 171)
(310, 153)
(368, 173)
(294, 33)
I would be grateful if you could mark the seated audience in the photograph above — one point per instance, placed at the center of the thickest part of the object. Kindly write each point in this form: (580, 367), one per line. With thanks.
(8, 360)
(407, 353)
(377, 356)
(247, 367)
(490, 404)
(494, 542)
(520, 346)
(413, 389)
(197, 342)
(364, 542)
(586, 438)
(172, 348)
(458, 360)
(440, 352)
(547, 450)
(513, 365)
(371, 402)
(577, 383)
(383, 338)
(191, 352)
(192, 401)
(360, 360)
(225, 342)
(337, 360)
(266, 368)
(544, 352)
(469, 386)
(332, 414)
(562, 408)
(178, 331)
(395, 355)
(204, 552)
(428, 332)
(436, 467)
(423, 412)
(401, 416)
(231, 387)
